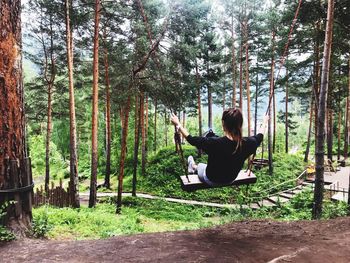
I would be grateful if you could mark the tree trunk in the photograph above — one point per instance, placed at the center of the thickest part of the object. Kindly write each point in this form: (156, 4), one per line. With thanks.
(271, 92)
(286, 113)
(347, 112)
(123, 154)
(143, 133)
(339, 133)
(107, 182)
(94, 148)
(15, 168)
(317, 76)
(224, 96)
(256, 97)
(274, 120)
(210, 101)
(234, 94)
(247, 81)
(199, 102)
(73, 167)
(49, 76)
(306, 158)
(155, 124)
(319, 152)
(136, 142)
(330, 135)
(241, 76)
(48, 137)
(166, 127)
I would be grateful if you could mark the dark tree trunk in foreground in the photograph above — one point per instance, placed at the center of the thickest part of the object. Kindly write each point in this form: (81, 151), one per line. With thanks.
(107, 182)
(73, 161)
(94, 148)
(319, 152)
(15, 168)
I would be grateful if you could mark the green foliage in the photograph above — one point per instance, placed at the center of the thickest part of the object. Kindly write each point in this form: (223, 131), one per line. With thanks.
(5, 234)
(40, 224)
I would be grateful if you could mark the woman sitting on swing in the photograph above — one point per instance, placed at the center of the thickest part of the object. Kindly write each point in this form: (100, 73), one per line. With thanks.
(227, 154)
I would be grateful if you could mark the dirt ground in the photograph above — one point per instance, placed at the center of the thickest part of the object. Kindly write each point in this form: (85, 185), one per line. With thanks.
(250, 241)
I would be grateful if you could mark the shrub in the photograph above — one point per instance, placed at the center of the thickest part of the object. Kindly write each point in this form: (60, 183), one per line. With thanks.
(5, 234)
(40, 224)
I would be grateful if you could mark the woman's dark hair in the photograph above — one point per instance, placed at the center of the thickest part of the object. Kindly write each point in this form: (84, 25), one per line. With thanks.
(232, 121)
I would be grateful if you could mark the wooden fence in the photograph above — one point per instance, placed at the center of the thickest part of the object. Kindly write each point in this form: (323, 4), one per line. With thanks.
(56, 196)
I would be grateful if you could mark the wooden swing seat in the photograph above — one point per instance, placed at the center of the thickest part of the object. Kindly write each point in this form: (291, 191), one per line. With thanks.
(193, 182)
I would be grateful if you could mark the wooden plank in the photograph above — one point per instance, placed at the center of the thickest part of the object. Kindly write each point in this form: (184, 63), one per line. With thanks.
(193, 182)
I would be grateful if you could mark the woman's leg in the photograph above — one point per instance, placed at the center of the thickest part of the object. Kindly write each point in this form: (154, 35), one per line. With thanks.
(192, 166)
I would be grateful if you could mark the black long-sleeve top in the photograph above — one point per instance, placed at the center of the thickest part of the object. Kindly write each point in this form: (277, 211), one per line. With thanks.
(223, 164)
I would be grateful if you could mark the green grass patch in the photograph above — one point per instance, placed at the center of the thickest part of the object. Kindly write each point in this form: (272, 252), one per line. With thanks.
(138, 216)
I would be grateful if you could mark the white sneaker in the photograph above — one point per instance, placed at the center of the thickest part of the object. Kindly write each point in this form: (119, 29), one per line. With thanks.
(190, 162)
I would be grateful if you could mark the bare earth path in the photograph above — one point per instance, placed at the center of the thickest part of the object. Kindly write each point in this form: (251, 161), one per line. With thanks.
(250, 241)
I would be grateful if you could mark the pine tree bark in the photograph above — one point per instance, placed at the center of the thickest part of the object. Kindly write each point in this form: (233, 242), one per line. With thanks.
(136, 142)
(224, 95)
(274, 120)
(155, 124)
(73, 162)
(271, 92)
(319, 152)
(256, 97)
(307, 151)
(241, 76)
(144, 131)
(107, 182)
(234, 94)
(330, 135)
(49, 75)
(339, 133)
(166, 122)
(15, 168)
(286, 112)
(347, 112)
(199, 102)
(317, 78)
(247, 81)
(123, 153)
(48, 137)
(210, 100)
(94, 137)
